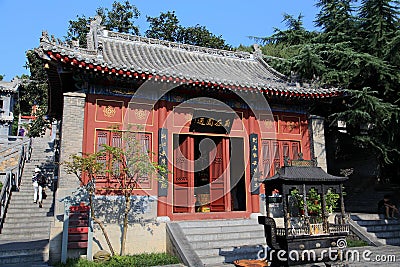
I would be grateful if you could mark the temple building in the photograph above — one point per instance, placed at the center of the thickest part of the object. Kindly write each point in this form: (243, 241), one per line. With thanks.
(222, 121)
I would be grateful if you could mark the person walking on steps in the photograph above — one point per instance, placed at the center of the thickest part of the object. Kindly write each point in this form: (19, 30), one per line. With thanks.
(38, 181)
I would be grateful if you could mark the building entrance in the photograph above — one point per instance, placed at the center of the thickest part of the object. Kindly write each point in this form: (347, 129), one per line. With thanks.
(202, 174)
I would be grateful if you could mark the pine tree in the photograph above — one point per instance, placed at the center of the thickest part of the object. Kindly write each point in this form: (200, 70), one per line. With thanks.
(379, 23)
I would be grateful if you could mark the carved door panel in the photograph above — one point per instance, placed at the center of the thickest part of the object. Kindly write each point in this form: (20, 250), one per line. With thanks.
(219, 174)
(183, 174)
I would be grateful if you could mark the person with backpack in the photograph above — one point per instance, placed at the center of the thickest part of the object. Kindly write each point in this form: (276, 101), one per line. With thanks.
(38, 182)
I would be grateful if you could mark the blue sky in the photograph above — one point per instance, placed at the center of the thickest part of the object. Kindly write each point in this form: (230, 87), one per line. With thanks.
(23, 21)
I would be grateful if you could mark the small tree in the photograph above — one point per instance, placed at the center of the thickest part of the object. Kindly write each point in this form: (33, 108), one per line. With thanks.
(86, 168)
(125, 165)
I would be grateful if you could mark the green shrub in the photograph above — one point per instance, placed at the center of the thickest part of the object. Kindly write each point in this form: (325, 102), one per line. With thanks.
(140, 260)
(356, 243)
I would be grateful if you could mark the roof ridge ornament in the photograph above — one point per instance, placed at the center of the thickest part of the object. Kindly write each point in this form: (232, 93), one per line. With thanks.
(257, 51)
(94, 29)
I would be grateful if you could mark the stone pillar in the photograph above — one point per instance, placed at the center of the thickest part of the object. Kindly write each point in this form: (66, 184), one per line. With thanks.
(317, 142)
(71, 143)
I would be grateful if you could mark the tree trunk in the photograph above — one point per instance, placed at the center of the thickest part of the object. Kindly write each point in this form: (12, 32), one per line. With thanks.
(100, 223)
(125, 226)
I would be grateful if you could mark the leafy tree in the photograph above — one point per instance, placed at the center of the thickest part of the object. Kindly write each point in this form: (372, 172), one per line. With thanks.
(1, 77)
(125, 165)
(78, 30)
(201, 36)
(86, 168)
(165, 27)
(120, 18)
(33, 91)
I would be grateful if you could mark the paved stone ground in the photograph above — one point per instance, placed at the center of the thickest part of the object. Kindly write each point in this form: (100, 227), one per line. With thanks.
(367, 256)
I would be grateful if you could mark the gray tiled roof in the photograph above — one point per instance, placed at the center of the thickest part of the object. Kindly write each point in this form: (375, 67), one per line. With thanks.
(312, 174)
(9, 87)
(127, 54)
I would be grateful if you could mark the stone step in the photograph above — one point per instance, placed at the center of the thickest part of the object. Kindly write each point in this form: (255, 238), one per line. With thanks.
(387, 234)
(395, 241)
(29, 207)
(39, 212)
(377, 222)
(214, 260)
(34, 228)
(382, 227)
(27, 219)
(27, 195)
(28, 258)
(222, 236)
(230, 242)
(228, 250)
(26, 235)
(221, 229)
(214, 223)
(365, 216)
(33, 224)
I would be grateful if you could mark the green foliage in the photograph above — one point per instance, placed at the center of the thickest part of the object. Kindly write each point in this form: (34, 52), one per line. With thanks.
(126, 164)
(120, 18)
(1, 77)
(331, 199)
(1, 186)
(140, 260)
(78, 30)
(314, 201)
(357, 48)
(295, 33)
(370, 121)
(167, 27)
(38, 126)
(164, 27)
(351, 243)
(34, 87)
(379, 23)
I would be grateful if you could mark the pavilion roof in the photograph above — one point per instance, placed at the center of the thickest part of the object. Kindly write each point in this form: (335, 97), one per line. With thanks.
(144, 58)
(303, 174)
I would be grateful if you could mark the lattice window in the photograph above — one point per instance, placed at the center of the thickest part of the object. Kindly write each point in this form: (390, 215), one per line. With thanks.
(115, 139)
(274, 153)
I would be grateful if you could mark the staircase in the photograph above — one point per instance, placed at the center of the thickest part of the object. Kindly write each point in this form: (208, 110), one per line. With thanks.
(24, 238)
(386, 232)
(217, 242)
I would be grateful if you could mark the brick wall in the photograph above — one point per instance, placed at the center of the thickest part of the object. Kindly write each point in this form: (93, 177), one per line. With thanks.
(71, 143)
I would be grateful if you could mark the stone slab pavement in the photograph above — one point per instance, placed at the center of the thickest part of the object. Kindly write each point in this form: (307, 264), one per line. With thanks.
(353, 257)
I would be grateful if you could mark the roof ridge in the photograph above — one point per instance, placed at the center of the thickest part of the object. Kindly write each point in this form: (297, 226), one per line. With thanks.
(175, 45)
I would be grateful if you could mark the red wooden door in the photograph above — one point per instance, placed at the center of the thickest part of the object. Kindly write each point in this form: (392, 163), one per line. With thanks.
(219, 174)
(183, 197)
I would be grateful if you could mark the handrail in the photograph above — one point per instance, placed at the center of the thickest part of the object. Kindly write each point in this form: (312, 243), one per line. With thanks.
(13, 180)
(5, 196)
